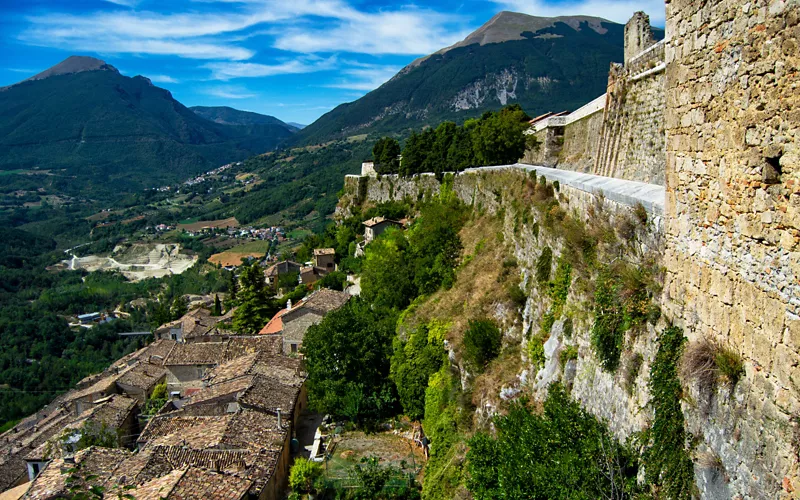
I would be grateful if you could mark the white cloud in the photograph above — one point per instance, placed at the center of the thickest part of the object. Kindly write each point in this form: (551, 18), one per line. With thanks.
(365, 77)
(229, 70)
(124, 3)
(230, 92)
(163, 79)
(613, 10)
(410, 31)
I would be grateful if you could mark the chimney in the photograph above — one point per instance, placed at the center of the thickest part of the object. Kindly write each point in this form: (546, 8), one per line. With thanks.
(279, 419)
(175, 395)
(288, 304)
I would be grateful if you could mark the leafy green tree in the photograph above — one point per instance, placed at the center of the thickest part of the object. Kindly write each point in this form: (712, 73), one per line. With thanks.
(443, 138)
(347, 359)
(336, 280)
(461, 154)
(386, 152)
(482, 342)
(413, 362)
(387, 279)
(416, 153)
(498, 138)
(435, 244)
(179, 307)
(564, 453)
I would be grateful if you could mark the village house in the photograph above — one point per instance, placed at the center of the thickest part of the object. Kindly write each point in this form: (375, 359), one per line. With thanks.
(279, 269)
(292, 323)
(311, 274)
(187, 364)
(198, 325)
(375, 226)
(228, 439)
(325, 258)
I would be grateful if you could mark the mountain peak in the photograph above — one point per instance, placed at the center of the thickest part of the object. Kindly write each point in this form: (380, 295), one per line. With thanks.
(508, 26)
(74, 64)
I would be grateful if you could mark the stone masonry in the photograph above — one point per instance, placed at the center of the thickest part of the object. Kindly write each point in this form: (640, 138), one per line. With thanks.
(733, 227)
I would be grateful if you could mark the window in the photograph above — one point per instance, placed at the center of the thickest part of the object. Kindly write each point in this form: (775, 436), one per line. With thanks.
(294, 347)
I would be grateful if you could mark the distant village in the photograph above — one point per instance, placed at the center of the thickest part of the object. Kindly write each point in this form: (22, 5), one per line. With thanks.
(209, 412)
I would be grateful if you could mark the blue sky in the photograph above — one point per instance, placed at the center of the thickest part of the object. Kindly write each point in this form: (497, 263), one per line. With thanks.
(294, 59)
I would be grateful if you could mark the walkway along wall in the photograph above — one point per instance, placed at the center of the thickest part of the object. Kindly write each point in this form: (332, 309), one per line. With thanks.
(619, 134)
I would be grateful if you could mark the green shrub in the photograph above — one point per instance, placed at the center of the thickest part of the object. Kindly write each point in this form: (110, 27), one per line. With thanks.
(548, 319)
(607, 330)
(543, 265)
(536, 351)
(482, 342)
(304, 474)
(561, 453)
(568, 327)
(569, 352)
(559, 287)
(730, 365)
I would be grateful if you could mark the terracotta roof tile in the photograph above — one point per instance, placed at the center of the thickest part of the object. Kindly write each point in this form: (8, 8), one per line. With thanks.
(200, 353)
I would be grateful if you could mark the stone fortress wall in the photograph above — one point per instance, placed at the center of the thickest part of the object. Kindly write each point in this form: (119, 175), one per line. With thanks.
(623, 136)
(712, 116)
(733, 224)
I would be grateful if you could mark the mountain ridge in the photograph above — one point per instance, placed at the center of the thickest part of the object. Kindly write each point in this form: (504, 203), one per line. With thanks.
(540, 63)
(88, 121)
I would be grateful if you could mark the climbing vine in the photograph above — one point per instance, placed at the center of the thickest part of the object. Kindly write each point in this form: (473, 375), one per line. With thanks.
(667, 461)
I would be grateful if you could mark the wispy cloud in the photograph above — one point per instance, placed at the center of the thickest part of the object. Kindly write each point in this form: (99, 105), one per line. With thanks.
(230, 92)
(229, 70)
(22, 70)
(613, 10)
(208, 34)
(163, 79)
(365, 77)
(409, 31)
(124, 3)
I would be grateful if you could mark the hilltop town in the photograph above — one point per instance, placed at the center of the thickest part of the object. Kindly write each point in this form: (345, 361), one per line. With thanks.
(594, 303)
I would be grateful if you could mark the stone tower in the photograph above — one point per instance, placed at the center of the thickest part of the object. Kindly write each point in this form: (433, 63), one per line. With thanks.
(638, 35)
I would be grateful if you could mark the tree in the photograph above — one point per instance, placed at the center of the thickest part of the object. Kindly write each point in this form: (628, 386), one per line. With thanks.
(413, 362)
(179, 307)
(255, 307)
(498, 138)
(217, 306)
(443, 138)
(482, 342)
(435, 244)
(347, 361)
(387, 278)
(336, 280)
(564, 453)
(386, 152)
(416, 152)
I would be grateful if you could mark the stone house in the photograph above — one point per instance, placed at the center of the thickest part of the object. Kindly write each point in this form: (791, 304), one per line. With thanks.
(309, 312)
(278, 269)
(311, 274)
(187, 364)
(197, 325)
(325, 258)
(375, 226)
(116, 414)
(140, 381)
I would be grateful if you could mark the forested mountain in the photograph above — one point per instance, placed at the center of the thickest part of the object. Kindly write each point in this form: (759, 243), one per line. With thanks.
(230, 116)
(94, 127)
(543, 64)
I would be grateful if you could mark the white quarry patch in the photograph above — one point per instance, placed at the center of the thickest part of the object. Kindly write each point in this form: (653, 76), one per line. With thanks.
(137, 261)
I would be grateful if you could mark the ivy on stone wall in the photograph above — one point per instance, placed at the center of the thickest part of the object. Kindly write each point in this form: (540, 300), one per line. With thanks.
(607, 331)
(667, 462)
